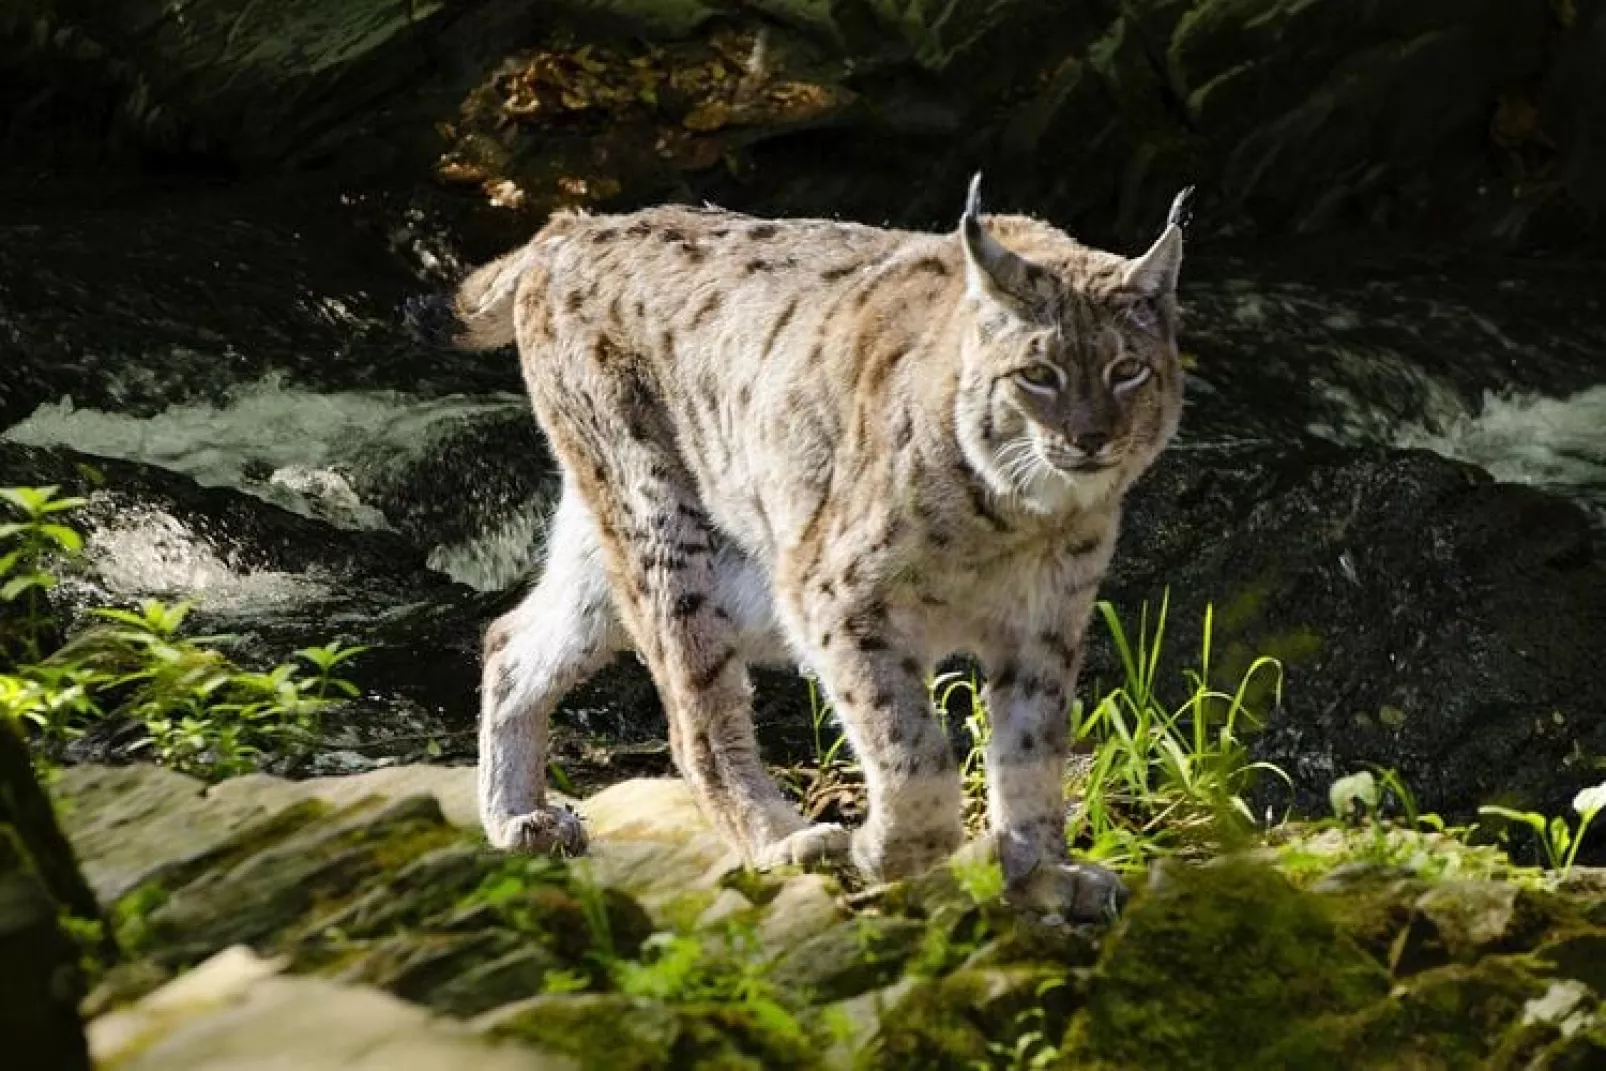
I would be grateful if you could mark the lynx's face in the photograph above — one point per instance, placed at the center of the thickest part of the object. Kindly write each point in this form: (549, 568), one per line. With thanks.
(1070, 383)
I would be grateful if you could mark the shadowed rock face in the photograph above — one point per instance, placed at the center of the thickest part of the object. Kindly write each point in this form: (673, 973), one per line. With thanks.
(39, 888)
(1428, 618)
(1291, 116)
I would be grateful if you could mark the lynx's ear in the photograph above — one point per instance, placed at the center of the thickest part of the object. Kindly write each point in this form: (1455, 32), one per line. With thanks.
(1155, 272)
(990, 269)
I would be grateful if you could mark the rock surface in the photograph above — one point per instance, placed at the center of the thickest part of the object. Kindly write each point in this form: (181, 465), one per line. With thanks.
(1427, 618)
(236, 1010)
(266, 900)
(1291, 115)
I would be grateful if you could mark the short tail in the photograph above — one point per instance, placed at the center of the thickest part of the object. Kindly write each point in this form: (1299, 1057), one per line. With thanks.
(483, 306)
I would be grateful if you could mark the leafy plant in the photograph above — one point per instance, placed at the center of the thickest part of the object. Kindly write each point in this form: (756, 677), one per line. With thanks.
(27, 547)
(1557, 839)
(201, 712)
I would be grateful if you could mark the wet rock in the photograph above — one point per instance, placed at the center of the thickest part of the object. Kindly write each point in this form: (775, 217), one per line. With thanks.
(476, 489)
(196, 296)
(1424, 615)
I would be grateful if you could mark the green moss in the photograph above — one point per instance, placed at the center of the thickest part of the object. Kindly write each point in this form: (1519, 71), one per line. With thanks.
(851, 957)
(758, 1035)
(1215, 968)
(1244, 608)
(967, 1018)
(1449, 1017)
(757, 886)
(130, 916)
(599, 1030)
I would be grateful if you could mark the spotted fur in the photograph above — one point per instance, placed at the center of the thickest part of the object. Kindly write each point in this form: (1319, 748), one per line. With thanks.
(849, 448)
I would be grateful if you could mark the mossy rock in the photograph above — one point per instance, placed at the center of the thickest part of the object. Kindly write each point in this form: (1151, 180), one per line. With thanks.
(602, 1030)
(960, 1021)
(1214, 969)
(615, 1032)
(266, 892)
(850, 958)
(1564, 1027)
(1448, 1017)
(1374, 905)
(1459, 921)
(1580, 955)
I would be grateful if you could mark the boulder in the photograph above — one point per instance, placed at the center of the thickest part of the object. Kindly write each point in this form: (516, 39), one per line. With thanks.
(1426, 617)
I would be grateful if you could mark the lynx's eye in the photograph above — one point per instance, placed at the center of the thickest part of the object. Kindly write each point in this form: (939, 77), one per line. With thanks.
(1143, 317)
(1039, 378)
(1128, 373)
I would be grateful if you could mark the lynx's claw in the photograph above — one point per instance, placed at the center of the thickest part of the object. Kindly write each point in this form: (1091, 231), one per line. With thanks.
(549, 831)
(811, 844)
(1077, 892)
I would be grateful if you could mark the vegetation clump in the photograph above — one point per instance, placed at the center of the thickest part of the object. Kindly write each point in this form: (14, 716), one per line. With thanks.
(198, 710)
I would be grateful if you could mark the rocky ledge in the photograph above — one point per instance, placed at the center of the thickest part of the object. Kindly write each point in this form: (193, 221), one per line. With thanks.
(360, 921)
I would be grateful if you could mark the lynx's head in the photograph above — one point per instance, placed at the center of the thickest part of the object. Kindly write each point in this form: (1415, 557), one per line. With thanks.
(1070, 384)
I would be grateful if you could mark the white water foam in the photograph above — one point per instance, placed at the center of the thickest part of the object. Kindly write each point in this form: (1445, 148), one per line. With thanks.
(496, 559)
(1555, 443)
(147, 552)
(287, 446)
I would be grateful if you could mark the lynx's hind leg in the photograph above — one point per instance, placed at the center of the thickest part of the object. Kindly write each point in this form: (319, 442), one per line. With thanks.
(562, 633)
(661, 547)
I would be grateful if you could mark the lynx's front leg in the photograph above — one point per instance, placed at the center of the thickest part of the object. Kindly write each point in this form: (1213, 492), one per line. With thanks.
(1028, 693)
(880, 695)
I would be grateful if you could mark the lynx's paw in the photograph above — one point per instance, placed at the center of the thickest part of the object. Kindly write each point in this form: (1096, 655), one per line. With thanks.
(883, 856)
(811, 844)
(548, 831)
(1077, 892)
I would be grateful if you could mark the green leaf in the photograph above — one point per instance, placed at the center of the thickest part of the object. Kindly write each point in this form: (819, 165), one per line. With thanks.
(29, 500)
(1561, 838)
(26, 582)
(66, 538)
(1528, 818)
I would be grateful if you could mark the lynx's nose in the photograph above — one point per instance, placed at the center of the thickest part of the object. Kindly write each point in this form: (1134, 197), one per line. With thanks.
(1091, 443)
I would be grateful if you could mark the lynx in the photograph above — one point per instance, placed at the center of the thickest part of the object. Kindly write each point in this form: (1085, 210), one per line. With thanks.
(851, 449)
